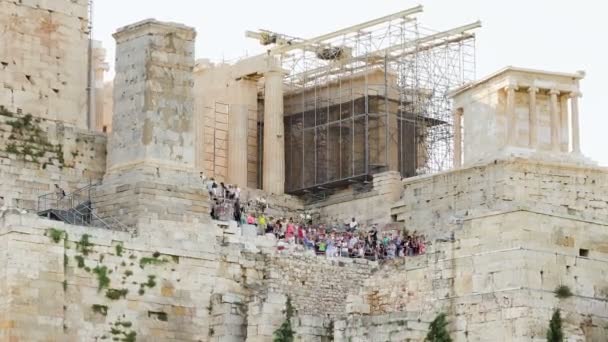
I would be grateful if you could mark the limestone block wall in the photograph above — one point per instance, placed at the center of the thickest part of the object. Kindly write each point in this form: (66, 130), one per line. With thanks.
(434, 204)
(36, 153)
(43, 59)
(141, 200)
(92, 284)
(202, 282)
(153, 104)
(495, 282)
(368, 207)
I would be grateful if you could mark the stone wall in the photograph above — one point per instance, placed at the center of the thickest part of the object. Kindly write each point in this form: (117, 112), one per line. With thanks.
(153, 103)
(370, 205)
(434, 204)
(495, 282)
(90, 283)
(36, 153)
(43, 60)
(203, 282)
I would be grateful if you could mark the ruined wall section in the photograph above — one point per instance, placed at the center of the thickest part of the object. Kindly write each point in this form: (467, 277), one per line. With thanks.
(434, 204)
(87, 284)
(202, 282)
(36, 153)
(496, 279)
(372, 204)
(43, 59)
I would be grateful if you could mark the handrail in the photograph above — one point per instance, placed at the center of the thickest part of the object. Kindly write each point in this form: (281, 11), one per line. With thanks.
(66, 208)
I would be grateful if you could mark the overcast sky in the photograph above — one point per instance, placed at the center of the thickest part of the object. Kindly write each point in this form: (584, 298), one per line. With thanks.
(555, 35)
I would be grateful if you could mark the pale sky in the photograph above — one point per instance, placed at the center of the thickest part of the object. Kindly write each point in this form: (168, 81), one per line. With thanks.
(556, 35)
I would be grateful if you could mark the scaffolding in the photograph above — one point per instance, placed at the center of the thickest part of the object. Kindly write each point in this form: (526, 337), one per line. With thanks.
(369, 99)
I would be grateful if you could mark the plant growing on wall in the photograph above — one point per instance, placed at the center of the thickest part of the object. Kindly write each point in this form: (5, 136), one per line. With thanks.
(438, 331)
(562, 292)
(555, 333)
(285, 332)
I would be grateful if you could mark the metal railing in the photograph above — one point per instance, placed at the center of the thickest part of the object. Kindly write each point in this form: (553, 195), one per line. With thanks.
(76, 208)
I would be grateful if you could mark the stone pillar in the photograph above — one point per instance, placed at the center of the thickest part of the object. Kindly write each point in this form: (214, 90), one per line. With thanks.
(564, 125)
(457, 138)
(511, 115)
(555, 121)
(533, 118)
(237, 133)
(153, 101)
(274, 140)
(574, 117)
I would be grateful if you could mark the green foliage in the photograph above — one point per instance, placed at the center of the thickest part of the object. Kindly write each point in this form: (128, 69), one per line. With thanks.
(438, 330)
(156, 255)
(151, 261)
(102, 277)
(100, 309)
(56, 234)
(115, 294)
(28, 139)
(128, 273)
(65, 260)
(285, 332)
(130, 337)
(6, 112)
(562, 292)
(84, 245)
(141, 291)
(151, 283)
(79, 261)
(65, 285)
(119, 250)
(330, 331)
(555, 333)
(211, 331)
(125, 324)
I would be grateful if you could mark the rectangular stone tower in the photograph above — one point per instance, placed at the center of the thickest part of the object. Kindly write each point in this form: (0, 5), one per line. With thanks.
(153, 102)
(151, 148)
(43, 58)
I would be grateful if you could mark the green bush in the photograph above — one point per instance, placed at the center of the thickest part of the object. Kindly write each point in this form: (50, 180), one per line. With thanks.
(438, 331)
(285, 332)
(562, 292)
(555, 333)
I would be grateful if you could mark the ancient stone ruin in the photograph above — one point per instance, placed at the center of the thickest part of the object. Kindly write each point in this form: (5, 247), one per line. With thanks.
(105, 225)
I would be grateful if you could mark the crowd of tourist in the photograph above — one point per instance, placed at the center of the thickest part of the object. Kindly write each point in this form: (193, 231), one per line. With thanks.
(348, 240)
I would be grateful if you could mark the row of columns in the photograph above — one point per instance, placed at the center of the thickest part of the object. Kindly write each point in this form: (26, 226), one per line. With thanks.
(274, 146)
(558, 125)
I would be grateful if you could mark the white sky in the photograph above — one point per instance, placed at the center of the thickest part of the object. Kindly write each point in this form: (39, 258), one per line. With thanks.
(557, 35)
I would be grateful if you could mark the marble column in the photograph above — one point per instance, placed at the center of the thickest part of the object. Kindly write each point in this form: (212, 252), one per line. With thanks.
(533, 118)
(511, 115)
(237, 133)
(574, 117)
(457, 138)
(555, 120)
(564, 125)
(274, 140)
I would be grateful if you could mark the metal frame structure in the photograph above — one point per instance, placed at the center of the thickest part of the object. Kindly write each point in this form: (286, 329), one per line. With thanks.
(370, 98)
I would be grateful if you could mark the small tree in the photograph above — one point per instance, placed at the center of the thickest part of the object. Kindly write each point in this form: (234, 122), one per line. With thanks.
(285, 332)
(437, 330)
(555, 333)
